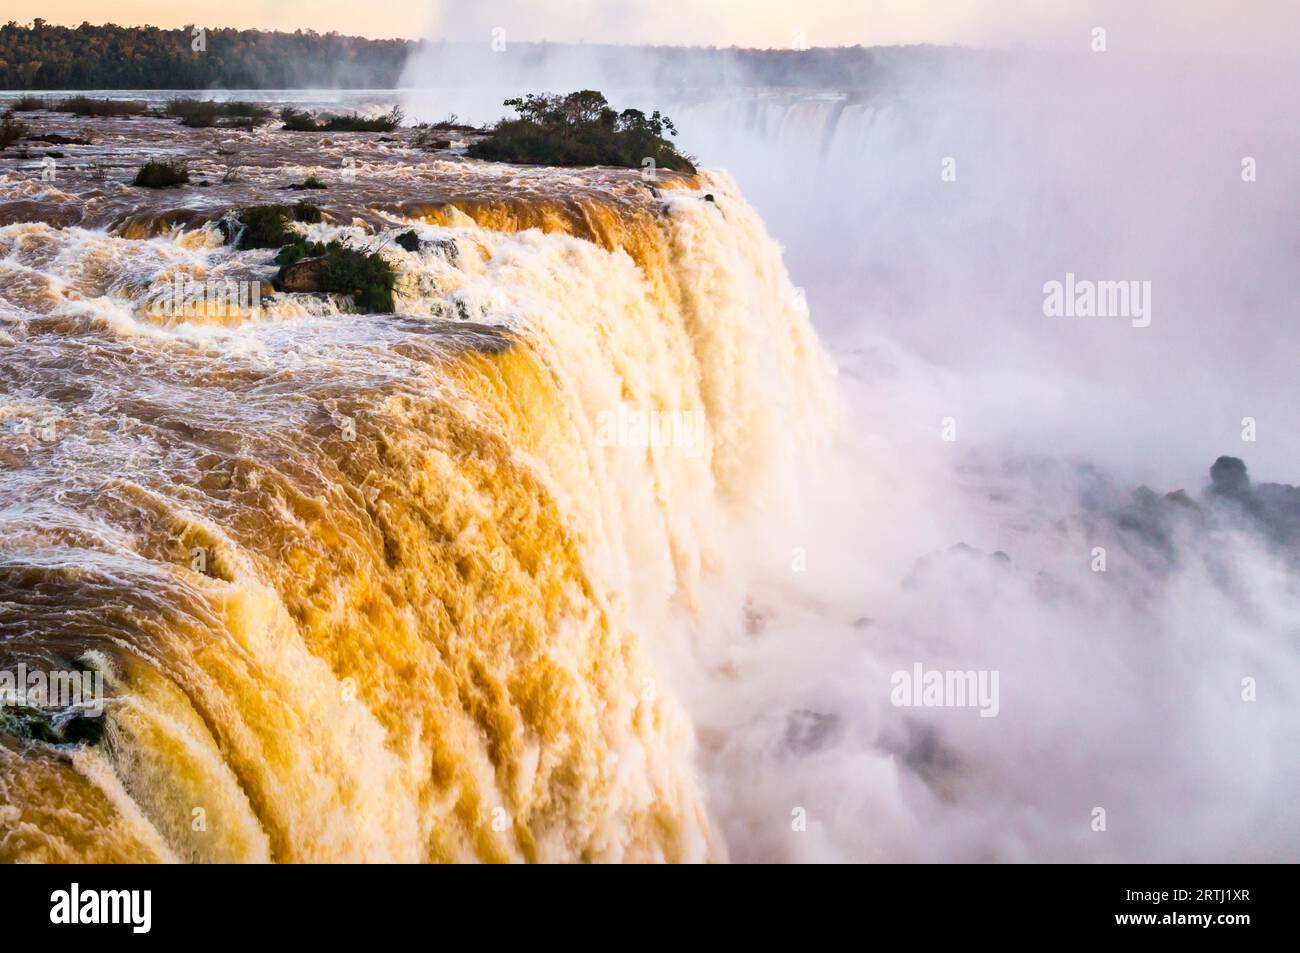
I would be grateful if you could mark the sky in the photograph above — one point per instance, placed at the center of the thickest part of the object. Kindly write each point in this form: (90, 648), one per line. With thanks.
(760, 23)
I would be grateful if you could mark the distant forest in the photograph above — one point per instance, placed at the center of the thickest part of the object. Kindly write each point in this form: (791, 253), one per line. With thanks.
(120, 57)
(89, 57)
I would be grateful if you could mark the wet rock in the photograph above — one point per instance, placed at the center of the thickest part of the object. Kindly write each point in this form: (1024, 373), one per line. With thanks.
(1273, 509)
(445, 248)
(1279, 505)
(303, 276)
(1228, 478)
(1146, 522)
(56, 139)
(1157, 526)
(55, 726)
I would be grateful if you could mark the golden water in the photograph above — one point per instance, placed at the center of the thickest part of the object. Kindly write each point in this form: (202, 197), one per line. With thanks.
(372, 587)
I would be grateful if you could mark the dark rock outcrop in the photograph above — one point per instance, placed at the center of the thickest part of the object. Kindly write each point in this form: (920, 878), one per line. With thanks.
(303, 276)
(1228, 478)
(51, 726)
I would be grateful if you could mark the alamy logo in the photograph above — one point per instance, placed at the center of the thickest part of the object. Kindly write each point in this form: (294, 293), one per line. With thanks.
(215, 298)
(1082, 298)
(946, 689)
(82, 690)
(643, 429)
(103, 906)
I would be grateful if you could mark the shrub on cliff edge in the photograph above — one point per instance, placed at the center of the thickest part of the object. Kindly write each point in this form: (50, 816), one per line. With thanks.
(267, 226)
(581, 129)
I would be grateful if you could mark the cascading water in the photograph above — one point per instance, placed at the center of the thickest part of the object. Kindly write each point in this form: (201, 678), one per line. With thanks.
(395, 587)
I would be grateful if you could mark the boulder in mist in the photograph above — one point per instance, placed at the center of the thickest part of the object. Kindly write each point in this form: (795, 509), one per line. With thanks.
(1228, 477)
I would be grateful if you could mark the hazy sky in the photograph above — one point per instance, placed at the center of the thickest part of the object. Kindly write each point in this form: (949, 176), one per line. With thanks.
(764, 23)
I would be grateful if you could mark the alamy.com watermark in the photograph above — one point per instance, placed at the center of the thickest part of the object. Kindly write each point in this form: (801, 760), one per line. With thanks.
(946, 688)
(1084, 298)
(60, 688)
(133, 908)
(642, 429)
(184, 297)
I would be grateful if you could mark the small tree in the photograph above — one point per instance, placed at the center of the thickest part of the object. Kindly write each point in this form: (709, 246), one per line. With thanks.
(233, 157)
(161, 174)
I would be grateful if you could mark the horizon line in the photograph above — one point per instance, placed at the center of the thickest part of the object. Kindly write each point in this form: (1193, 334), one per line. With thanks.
(577, 43)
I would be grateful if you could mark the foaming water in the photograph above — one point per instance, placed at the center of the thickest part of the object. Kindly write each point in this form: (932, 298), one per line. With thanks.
(377, 587)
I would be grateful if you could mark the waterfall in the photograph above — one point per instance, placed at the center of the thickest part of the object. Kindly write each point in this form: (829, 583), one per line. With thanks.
(394, 587)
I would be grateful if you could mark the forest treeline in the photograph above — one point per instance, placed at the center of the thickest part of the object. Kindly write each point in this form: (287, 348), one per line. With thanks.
(42, 56)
